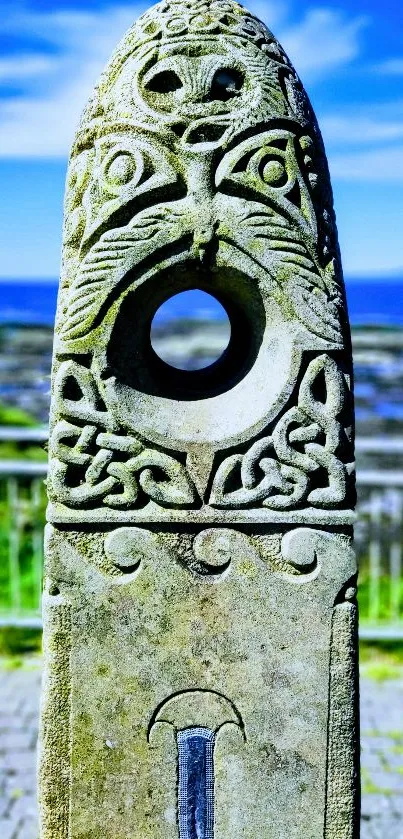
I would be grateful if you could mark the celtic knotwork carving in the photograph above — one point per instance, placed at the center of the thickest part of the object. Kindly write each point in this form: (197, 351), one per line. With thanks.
(164, 79)
(77, 395)
(278, 471)
(102, 478)
(173, 19)
(168, 29)
(201, 518)
(198, 163)
(91, 466)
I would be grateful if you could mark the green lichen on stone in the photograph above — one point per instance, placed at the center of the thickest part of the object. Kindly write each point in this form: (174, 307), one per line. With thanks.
(199, 569)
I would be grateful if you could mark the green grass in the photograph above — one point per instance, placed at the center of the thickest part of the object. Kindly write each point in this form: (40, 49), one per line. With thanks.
(10, 415)
(381, 672)
(20, 662)
(10, 450)
(13, 451)
(28, 565)
(384, 598)
(369, 788)
(381, 661)
(18, 642)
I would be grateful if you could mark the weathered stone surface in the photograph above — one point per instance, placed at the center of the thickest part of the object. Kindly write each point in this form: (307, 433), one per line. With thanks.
(200, 615)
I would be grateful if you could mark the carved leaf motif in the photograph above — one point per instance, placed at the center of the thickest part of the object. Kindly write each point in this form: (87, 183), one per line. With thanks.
(268, 167)
(314, 308)
(299, 285)
(113, 257)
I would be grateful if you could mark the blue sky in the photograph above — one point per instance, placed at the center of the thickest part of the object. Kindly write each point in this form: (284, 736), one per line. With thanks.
(349, 54)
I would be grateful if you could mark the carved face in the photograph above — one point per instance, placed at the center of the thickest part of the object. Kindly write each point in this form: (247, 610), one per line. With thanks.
(199, 86)
(201, 167)
(199, 164)
(203, 91)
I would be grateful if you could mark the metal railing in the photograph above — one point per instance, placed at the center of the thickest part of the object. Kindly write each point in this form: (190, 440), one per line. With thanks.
(379, 538)
(379, 545)
(22, 516)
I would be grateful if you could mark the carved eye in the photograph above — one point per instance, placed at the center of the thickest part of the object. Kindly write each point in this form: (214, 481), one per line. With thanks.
(226, 84)
(265, 166)
(272, 172)
(165, 82)
(262, 164)
(123, 168)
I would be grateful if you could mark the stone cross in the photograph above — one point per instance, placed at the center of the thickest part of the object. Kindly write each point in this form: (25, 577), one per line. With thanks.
(200, 612)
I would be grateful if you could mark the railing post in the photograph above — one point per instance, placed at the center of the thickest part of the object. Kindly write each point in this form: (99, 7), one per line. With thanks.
(375, 556)
(395, 554)
(37, 538)
(14, 543)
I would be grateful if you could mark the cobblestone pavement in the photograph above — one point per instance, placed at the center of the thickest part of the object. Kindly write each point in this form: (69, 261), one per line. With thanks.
(382, 759)
(382, 756)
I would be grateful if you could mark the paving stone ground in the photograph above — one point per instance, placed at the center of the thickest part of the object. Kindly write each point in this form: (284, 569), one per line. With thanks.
(382, 759)
(382, 755)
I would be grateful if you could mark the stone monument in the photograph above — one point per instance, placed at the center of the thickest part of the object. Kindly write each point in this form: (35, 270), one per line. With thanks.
(200, 589)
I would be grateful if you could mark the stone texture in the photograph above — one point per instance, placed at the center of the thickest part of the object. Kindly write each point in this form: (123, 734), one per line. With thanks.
(199, 608)
(382, 811)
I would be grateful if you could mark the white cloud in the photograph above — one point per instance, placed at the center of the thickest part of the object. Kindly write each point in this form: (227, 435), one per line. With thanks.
(349, 129)
(13, 69)
(43, 125)
(325, 39)
(393, 67)
(273, 14)
(382, 165)
(322, 40)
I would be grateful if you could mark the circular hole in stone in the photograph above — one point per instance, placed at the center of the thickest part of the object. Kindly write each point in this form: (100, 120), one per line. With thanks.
(214, 347)
(190, 331)
(226, 83)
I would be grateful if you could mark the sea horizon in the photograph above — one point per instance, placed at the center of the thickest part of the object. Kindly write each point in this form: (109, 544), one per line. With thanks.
(371, 301)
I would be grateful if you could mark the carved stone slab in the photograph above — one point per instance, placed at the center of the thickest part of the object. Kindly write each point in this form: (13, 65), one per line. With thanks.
(199, 608)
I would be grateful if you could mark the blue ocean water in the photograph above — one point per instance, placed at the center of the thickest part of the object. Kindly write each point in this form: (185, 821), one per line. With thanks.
(33, 302)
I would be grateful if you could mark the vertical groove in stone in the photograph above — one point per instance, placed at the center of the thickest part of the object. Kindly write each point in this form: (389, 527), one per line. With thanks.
(54, 772)
(342, 787)
(196, 783)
